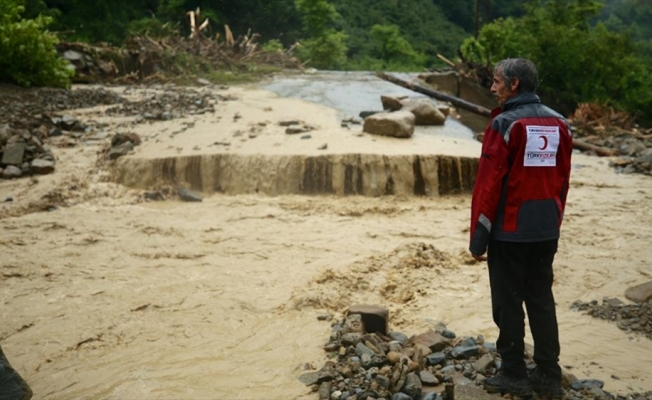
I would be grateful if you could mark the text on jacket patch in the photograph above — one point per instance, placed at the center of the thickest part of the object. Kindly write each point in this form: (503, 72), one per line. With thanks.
(541, 146)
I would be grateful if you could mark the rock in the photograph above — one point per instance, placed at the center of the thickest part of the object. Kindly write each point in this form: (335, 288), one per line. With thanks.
(309, 378)
(120, 150)
(431, 339)
(484, 363)
(365, 114)
(401, 396)
(54, 132)
(293, 130)
(325, 317)
(640, 293)
(428, 378)
(399, 337)
(383, 381)
(289, 122)
(189, 195)
(446, 110)
(393, 357)
(469, 392)
(11, 171)
(587, 384)
(448, 334)
(425, 112)
(154, 196)
(325, 391)
(323, 147)
(399, 124)
(68, 122)
(203, 82)
(357, 121)
(412, 385)
(392, 103)
(72, 55)
(121, 138)
(361, 349)
(464, 352)
(42, 167)
(13, 154)
(351, 338)
(436, 359)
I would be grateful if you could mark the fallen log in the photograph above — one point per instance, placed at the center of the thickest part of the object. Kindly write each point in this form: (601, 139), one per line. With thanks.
(577, 143)
(584, 146)
(456, 101)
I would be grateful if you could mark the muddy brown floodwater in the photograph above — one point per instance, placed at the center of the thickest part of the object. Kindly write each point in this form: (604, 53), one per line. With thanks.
(113, 297)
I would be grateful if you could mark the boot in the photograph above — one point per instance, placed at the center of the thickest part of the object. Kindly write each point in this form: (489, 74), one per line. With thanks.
(546, 385)
(502, 384)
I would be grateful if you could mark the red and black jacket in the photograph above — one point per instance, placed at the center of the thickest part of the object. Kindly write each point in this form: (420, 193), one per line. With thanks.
(523, 174)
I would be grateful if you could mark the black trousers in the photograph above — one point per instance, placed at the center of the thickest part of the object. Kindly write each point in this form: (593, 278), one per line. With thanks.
(522, 273)
(12, 386)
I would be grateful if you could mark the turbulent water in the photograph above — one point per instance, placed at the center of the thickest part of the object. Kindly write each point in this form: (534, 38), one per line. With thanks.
(108, 296)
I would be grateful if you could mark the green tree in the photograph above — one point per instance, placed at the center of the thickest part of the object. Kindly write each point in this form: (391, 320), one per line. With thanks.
(423, 24)
(391, 47)
(324, 47)
(558, 37)
(29, 57)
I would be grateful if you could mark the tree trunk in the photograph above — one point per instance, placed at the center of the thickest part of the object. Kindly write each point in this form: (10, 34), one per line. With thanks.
(456, 101)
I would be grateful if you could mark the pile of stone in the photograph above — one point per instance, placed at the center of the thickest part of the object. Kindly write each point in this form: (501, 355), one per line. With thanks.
(25, 107)
(628, 317)
(636, 317)
(368, 362)
(22, 152)
(169, 103)
(32, 117)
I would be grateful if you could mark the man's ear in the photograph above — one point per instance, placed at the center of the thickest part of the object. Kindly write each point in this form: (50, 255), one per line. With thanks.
(514, 84)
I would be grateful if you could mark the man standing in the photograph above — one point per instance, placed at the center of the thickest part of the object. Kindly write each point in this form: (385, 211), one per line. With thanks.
(517, 210)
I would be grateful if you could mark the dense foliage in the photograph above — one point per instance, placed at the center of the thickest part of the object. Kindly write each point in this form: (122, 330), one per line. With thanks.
(578, 62)
(29, 57)
(586, 50)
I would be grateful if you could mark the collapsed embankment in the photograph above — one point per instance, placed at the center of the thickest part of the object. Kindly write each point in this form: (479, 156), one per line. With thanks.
(338, 174)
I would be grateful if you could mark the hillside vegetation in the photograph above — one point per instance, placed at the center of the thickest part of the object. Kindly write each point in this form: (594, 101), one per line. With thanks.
(586, 50)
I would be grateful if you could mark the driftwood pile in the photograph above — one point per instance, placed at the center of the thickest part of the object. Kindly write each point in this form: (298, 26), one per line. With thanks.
(613, 133)
(145, 59)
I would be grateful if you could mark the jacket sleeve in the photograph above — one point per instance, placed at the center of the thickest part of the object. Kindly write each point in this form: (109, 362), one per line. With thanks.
(492, 168)
(567, 159)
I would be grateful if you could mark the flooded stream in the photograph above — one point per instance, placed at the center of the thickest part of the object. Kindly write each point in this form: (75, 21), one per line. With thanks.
(353, 92)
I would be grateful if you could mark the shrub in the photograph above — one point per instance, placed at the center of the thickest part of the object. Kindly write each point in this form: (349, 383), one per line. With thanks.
(29, 56)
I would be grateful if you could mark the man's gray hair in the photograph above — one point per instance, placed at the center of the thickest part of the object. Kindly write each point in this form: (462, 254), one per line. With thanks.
(520, 68)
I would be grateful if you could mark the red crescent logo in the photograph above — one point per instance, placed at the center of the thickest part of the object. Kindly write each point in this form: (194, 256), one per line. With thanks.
(545, 142)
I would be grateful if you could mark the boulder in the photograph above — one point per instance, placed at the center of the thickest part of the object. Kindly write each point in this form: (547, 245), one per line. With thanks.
(13, 154)
(42, 167)
(398, 124)
(11, 171)
(392, 103)
(425, 111)
(640, 293)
